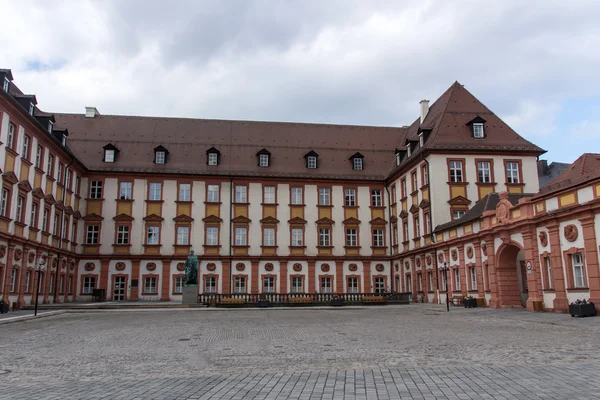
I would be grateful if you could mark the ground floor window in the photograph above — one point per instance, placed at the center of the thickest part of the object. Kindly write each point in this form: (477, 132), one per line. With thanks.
(210, 284)
(297, 284)
(352, 285)
(240, 284)
(548, 272)
(51, 284)
(13, 280)
(420, 282)
(578, 274)
(408, 284)
(89, 284)
(444, 281)
(268, 284)
(379, 285)
(70, 288)
(456, 279)
(179, 284)
(61, 285)
(430, 281)
(150, 285)
(326, 285)
(27, 281)
(473, 276)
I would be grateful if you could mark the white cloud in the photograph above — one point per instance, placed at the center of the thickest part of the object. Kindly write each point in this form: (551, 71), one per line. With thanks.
(534, 118)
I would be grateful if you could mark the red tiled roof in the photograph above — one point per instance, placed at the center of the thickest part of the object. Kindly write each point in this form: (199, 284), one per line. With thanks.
(585, 168)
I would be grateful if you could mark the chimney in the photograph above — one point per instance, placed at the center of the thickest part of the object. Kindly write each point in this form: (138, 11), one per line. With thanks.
(424, 109)
(91, 112)
(542, 167)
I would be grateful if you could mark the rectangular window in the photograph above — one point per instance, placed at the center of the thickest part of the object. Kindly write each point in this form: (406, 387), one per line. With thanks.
(548, 272)
(123, 234)
(415, 182)
(405, 229)
(213, 194)
(125, 190)
(378, 238)
(55, 224)
(25, 148)
(155, 191)
(312, 162)
(96, 190)
(152, 235)
(50, 165)
(297, 195)
(240, 284)
(51, 283)
(417, 227)
(403, 187)
(185, 192)
(478, 130)
(456, 171)
(68, 182)
(10, 138)
(150, 285)
(183, 235)
(357, 164)
(213, 158)
(268, 284)
(6, 84)
(456, 279)
(379, 285)
(326, 285)
(70, 288)
(578, 274)
(109, 155)
(179, 280)
(351, 237)
(420, 281)
(45, 217)
(263, 160)
(74, 232)
(457, 214)
(324, 196)
(484, 174)
(425, 173)
(352, 285)
(210, 284)
(27, 281)
(160, 157)
(395, 235)
(77, 184)
(376, 198)
(421, 140)
(324, 237)
(408, 283)
(269, 194)
(20, 204)
(91, 234)
(212, 236)
(33, 217)
(65, 228)
(297, 237)
(512, 172)
(427, 223)
(430, 282)
(350, 197)
(269, 237)
(13, 280)
(241, 194)
(393, 194)
(59, 175)
(240, 237)
(473, 276)
(297, 286)
(38, 156)
(89, 284)
(444, 281)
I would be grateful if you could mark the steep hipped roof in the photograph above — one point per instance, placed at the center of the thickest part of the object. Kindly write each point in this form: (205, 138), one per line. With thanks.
(238, 143)
(489, 202)
(447, 123)
(585, 168)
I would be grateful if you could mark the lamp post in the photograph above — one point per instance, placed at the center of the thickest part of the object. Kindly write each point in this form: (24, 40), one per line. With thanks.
(40, 268)
(444, 269)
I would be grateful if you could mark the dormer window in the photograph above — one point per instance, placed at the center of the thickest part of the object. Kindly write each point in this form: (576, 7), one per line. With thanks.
(264, 158)
(110, 153)
(478, 131)
(398, 158)
(6, 84)
(357, 162)
(160, 155)
(311, 159)
(64, 139)
(408, 150)
(50, 125)
(212, 156)
(421, 139)
(31, 108)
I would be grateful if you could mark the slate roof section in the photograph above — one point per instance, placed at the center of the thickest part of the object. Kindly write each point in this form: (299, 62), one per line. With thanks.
(585, 168)
(489, 202)
(548, 172)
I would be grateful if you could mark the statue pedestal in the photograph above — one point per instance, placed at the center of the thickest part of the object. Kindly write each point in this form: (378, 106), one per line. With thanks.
(190, 294)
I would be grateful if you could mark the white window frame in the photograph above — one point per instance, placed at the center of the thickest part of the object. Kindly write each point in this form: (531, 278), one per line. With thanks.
(183, 235)
(350, 197)
(268, 284)
(297, 284)
(178, 284)
(212, 236)
(213, 159)
(325, 284)
(456, 279)
(150, 284)
(408, 150)
(239, 284)
(38, 156)
(297, 237)
(89, 284)
(50, 126)
(324, 237)
(425, 172)
(27, 281)
(241, 236)
(473, 275)
(185, 192)
(31, 108)
(212, 193)
(397, 158)
(311, 162)
(125, 190)
(456, 171)
(352, 285)
(378, 238)
(241, 194)
(153, 235)
(155, 192)
(296, 196)
(123, 234)
(417, 227)
(210, 284)
(13, 280)
(548, 265)
(160, 157)
(578, 270)
(324, 196)
(6, 84)
(376, 198)
(478, 131)
(484, 172)
(269, 195)
(25, 147)
(45, 218)
(456, 214)
(263, 160)
(351, 237)
(512, 172)
(109, 155)
(20, 204)
(91, 233)
(379, 285)
(357, 164)
(33, 215)
(430, 281)
(421, 141)
(268, 236)
(96, 190)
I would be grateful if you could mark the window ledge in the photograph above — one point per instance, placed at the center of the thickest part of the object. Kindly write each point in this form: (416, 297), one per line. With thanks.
(211, 246)
(240, 246)
(3, 218)
(11, 151)
(239, 204)
(50, 178)
(268, 247)
(325, 205)
(26, 162)
(154, 201)
(121, 245)
(152, 245)
(297, 247)
(352, 247)
(414, 193)
(181, 245)
(90, 199)
(351, 207)
(269, 204)
(377, 207)
(579, 289)
(297, 205)
(324, 247)
(548, 291)
(149, 294)
(378, 247)
(486, 183)
(213, 202)
(125, 200)
(514, 184)
(424, 187)
(21, 224)
(458, 183)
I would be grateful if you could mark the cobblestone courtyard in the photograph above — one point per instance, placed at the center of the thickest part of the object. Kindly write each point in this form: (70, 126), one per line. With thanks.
(389, 352)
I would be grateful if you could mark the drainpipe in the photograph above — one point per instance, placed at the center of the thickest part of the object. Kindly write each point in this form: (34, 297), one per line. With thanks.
(390, 241)
(61, 227)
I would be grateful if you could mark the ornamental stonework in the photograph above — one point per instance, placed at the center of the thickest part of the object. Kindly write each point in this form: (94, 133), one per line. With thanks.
(379, 267)
(325, 267)
(469, 252)
(31, 257)
(418, 262)
(269, 267)
(406, 265)
(571, 233)
(297, 267)
(180, 267)
(353, 267)
(18, 254)
(440, 257)
(240, 267)
(428, 259)
(503, 208)
(2, 251)
(151, 266)
(120, 266)
(484, 249)
(397, 267)
(454, 255)
(211, 266)
(90, 267)
(543, 238)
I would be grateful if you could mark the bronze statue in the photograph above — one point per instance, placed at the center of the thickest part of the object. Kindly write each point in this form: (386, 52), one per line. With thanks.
(191, 269)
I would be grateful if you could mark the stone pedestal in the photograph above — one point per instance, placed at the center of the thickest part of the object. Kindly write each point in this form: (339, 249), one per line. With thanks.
(190, 294)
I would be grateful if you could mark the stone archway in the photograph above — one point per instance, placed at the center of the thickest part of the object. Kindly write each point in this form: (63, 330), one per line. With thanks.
(510, 277)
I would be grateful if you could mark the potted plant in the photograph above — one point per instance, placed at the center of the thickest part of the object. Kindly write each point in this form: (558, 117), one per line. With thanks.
(470, 302)
(582, 308)
(263, 302)
(336, 301)
(3, 307)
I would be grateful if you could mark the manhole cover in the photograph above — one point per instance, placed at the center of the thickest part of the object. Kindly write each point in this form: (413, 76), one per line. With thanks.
(4, 371)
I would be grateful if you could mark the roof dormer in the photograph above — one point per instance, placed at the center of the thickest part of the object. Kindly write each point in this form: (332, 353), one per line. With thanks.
(61, 135)
(312, 160)
(27, 101)
(357, 160)
(110, 153)
(410, 146)
(400, 153)
(477, 128)
(213, 156)
(160, 155)
(6, 77)
(264, 158)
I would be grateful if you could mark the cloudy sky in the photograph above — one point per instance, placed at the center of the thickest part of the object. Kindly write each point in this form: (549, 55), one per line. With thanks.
(534, 63)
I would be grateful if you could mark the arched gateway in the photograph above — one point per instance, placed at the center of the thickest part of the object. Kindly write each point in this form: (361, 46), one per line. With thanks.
(511, 276)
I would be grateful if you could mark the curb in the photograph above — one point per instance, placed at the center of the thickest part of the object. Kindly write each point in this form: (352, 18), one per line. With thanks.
(21, 318)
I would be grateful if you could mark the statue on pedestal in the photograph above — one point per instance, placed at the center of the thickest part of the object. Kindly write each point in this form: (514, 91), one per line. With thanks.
(191, 269)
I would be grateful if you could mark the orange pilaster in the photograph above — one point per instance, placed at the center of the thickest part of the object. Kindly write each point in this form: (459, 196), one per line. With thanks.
(367, 288)
(226, 274)
(135, 274)
(339, 273)
(283, 266)
(166, 281)
(311, 277)
(255, 278)
(560, 301)
(591, 257)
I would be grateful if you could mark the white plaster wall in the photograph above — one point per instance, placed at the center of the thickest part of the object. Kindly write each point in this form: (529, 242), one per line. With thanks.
(359, 271)
(332, 271)
(157, 271)
(247, 271)
(303, 273)
(552, 204)
(199, 213)
(225, 229)
(549, 299)
(566, 245)
(283, 215)
(276, 271)
(476, 227)
(518, 237)
(202, 271)
(169, 211)
(337, 214)
(4, 120)
(452, 262)
(138, 233)
(469, 259)
(541, 248)
(364, 215)
(585, 194)
(82, 271)
(109, 209)
(255, 214)
(112, 270)
(311, 214)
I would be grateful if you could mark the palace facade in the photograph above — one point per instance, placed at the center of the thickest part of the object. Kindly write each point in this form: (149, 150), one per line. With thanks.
(118, 202)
